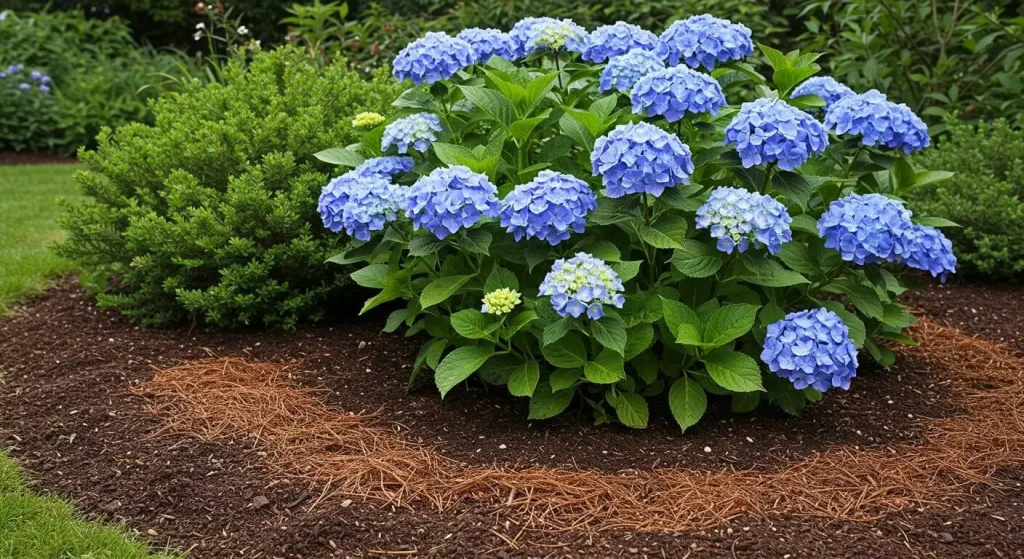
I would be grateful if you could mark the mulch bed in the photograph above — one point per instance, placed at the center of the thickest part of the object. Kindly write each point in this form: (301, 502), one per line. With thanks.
(66, 409)
(34, 158)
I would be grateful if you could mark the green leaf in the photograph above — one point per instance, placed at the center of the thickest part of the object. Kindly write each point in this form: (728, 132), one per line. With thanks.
(743, 402)
(787, 78)
(373, 276)
(733, 370)
(881, 354)
(523, 381)
(627, 270)
(458, 365)
(728, 323)
(658, 239)
(519, 322)
(697, 260)
(429, 355)
(471, 324)
(441, 289)
(939, 222)
(631, 409)
(791, 400)
(340, 156)
(605, 251)
(805, 223)
(577, 131)
(610, 332)
(414, 98)
(424, 245)
(796, 255)
(769, 273)
(451, 154)
(537, 89)
(682, 322)
(477, 240)
(521, 129)
(928, 177)
(606, 368)
(556, 330)
(604, 106)
(797, 188)
(501, 278)
(687, 401)
(562, 379)
(491, 102)
(395, 320)
(546, 404)
(896, 316)
(569, 353)
(904, 174)
(638, 339)
(865, 299)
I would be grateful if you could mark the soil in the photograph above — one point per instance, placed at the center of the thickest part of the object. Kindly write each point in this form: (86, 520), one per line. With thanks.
(989, 311)
(66, 411)
(34, 158)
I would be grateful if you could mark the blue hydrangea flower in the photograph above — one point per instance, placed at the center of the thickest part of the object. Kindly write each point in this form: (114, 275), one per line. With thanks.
(44, 88)
(825, 87)
(360, 204)
(878, 122)
(865, 228)
(487, 43)
(609, 41)
(549, 207)
(640, 158)
(705, 40)
(15, 68)
(436, 56)
(737, 217)
(416, 131)
(582, 284)
(449, 199)
(622, 72)
(24, 86)
(926, 248)
(558, 35)
(771, 131)
(36, 75)
(524, 31)
(675, 91)
(3, 75)
(811, 349)
(387, 166)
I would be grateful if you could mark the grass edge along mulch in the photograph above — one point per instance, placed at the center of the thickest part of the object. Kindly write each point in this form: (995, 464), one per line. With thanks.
(350, 455)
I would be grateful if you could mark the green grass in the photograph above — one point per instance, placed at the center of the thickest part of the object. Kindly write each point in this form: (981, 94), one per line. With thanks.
(28, 225)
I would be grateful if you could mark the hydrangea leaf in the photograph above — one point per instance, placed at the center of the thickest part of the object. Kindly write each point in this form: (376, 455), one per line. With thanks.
(728, 323)
(697, 260)
(562, 379)
(519, 322)
(638, 339)
(546, 404)
(555, 330)
(569, 353)
(491, 102)
(733, 370)
(523, 381)
(373, 276)
(682, 322)
(630, 409)
(687, 401)
(340, 156)
(606, 368)
(627, 270)
(501, 278)
(768, 273)
(658, 239)
(442, 288)
(458, 365)
(471, 324)
(610, 332)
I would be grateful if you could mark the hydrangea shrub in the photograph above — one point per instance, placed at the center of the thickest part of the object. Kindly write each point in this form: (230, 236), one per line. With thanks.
(599, 218)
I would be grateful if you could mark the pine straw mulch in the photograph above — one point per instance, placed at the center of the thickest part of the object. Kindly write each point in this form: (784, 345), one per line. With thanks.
(355, 456)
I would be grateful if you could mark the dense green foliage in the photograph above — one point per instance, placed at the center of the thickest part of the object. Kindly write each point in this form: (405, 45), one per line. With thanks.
(986, 196)
(207, 213)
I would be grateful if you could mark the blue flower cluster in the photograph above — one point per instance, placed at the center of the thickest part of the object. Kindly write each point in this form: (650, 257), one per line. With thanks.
(705, 40)
(434, 57)
(609, 41)
(640, 158)
(524, 31)
(865, 228)
(737, 217)
(811, 349)
(926, 248)
(825, 87)
(558, 35)
(675, 91)
(879, 122)
(416, 131)
(360, 204)
(449, 199)
(622, 72)
(549, 207)
(41, 81)
(487, 43)
(387, 166)
(582, 284)
(771, 131)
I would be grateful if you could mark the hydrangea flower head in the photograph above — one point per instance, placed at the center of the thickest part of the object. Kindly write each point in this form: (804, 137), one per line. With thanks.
(487, 43)
(675, 91)
(825, 87)
(865, 228)
(738, 217)
(811, 349)
(524, 31)
(500, 301)
(44, 88)
(558, 35)
(360, 204)
(24, 86)
(705, 40)
(416, 131)
(609, 41)
(772, 131)
(926, 248)
(582, 284)
(623, 71)
(449, 199)
(640, 158)
(550, 207)
(367, 120)
(387, 166)
(434, 57)
(878, 122)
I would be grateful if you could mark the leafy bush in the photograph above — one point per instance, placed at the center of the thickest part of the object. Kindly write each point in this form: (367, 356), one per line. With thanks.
(206, 213)
(28, 109)
(986, 196)
(556, 230)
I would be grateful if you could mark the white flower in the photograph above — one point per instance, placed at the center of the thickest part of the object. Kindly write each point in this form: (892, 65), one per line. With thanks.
(243, 30)
(200, 25)
(198, 35)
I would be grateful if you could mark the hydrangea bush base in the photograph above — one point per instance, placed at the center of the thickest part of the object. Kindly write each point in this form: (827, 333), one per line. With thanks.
(691, 230)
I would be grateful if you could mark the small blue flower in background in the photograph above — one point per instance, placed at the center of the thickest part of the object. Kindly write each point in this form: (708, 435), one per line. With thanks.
(640, 158)
(36, 75)
(622, 72)
(416, 131)
(24, 86)
(811, 349)
(487, 43)
(558, 35)
(675, 91)
(524, 31)
(3, 75)
(14, 68)
(582, 284)
(926, 248)
(879, 122)
(550, 207)
(865, 228)
(825, 87)
(436, 56)
(705, 40)
(449, 199)
(44, 88)
(737, 217)
(771, 131)
(360, 204)
(387, 166)
(609, 41)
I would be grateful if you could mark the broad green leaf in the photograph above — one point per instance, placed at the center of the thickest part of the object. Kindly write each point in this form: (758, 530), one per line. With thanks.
(424, 245)
(782, 393)
(569, 353)
(610, 332)
(477, 240)
(537, 89)
(576, 130)
(546, 404)
(743, 402)
(471, 324)
(556, 330)
(895, 315)
(340, 156)
(733, 370)
(928, 177)
(441, 289)
(682, 322)
(501, 278)
(697, 260)
(805, 223)
(938, 222)
(521, 129)
(687, 401)
(523, 381)
(728, 323)
(451, 154)
(429, 355)
(631, 409)
(604, 106)
(606, 368)
(787, 78)
(797, 256)
(768, 272)
(605, 251)
(638, 339)
(373, 276)
(491, 102)
(395, 320)
(865, 299)
(627, 270)
(881, 354)
(562, 379)
(414, 98)
(797, 188)
(458, 365)
(519, 322)
(659, 239)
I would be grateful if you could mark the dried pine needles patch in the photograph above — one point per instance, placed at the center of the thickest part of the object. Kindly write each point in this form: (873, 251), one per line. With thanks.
(353, 455)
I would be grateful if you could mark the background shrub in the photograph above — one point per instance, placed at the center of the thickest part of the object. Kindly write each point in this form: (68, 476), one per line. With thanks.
(986, 196)
(207, 213)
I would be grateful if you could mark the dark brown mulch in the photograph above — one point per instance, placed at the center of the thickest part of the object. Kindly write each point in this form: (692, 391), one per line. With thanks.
(34, 158)
(65, 408)
(991, 311)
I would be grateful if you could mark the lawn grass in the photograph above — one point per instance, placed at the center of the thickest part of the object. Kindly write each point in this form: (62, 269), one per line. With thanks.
(28, 225)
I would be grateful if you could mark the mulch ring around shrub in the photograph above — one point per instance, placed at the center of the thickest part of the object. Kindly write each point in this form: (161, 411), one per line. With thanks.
(305, 445)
